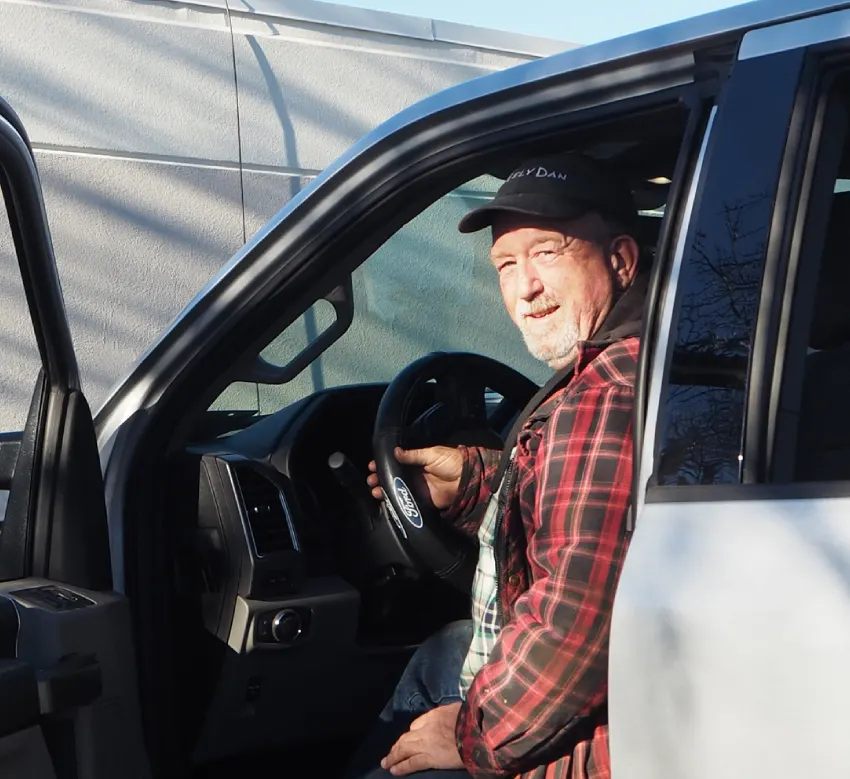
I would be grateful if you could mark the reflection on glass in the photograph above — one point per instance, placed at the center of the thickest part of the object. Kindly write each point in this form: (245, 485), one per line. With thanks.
(704, 428)
(720, 288)
(723, 279)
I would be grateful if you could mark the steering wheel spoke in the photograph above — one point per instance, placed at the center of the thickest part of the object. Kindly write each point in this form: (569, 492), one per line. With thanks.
(466, 395)
(435, 424)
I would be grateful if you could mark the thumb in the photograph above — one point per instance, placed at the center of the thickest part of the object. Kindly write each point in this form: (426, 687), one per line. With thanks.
(413, 456)
(421, 721)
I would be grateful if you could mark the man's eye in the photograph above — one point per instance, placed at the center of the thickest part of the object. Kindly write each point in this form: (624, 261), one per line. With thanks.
(506, 266)
(544, 254)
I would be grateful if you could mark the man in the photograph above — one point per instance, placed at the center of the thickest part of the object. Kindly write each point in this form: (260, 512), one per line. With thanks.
(523, 690)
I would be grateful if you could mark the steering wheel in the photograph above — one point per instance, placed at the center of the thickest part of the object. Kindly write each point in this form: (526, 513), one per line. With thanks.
(452, 387)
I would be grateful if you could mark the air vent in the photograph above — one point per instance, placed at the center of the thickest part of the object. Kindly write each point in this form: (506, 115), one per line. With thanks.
(265, 512)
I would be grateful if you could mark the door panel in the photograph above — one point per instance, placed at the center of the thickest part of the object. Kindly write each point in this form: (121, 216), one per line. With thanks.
(23, 750)
(739, 613)
(78, 641)
(18, 685)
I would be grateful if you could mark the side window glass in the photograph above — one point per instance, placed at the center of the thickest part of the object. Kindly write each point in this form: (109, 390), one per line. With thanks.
(428, 288)
(707, 387)
(703, 408)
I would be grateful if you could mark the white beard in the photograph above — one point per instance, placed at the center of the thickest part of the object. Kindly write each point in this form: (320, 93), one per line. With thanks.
(553, 342)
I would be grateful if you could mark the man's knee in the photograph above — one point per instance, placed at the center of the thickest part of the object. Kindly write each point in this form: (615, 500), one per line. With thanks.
(433, 673)
(451, 642)
(444, 651)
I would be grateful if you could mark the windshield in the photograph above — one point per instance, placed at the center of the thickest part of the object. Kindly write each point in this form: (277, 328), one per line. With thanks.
(428, 288)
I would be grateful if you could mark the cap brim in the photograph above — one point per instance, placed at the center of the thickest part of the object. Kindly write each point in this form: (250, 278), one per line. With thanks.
(542, 206)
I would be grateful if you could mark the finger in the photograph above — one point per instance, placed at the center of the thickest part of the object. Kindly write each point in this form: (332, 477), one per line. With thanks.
(373, 480)
(373, 466)
(422, 720)
(419, 762)
(413, 456)
(405, 747)
(378, 493)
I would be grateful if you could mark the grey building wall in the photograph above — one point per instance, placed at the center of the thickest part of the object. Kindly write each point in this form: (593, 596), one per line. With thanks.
(141, 114)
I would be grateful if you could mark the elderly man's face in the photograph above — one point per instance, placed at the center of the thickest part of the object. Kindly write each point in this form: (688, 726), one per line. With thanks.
(558, 281)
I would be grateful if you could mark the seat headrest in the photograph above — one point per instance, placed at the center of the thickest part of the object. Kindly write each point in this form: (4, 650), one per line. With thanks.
(831, 319)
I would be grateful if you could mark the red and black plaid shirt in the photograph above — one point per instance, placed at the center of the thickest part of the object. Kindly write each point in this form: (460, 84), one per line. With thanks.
(538, 707)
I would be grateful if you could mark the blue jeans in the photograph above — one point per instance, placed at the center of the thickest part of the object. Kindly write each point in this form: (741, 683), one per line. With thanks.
(430, 680)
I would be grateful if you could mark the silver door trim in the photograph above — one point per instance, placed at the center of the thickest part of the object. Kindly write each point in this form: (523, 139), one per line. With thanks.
(658, 371)
(794, 35)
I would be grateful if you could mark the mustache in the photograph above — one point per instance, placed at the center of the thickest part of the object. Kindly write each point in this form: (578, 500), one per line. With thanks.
(527, 308)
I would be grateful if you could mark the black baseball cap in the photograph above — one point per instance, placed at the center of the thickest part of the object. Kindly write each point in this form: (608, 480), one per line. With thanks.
(566, 186)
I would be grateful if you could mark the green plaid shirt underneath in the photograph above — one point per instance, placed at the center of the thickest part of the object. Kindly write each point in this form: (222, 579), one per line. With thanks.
(485, 615)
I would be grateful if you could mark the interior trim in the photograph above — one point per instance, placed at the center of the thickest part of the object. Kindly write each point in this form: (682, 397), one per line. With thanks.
(236, 486)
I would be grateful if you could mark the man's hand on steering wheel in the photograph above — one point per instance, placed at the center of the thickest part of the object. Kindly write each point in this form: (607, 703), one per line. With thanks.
(439, 470)
(443, 398)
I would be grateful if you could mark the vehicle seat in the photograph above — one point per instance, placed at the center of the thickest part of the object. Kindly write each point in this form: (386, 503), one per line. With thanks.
(823, 452)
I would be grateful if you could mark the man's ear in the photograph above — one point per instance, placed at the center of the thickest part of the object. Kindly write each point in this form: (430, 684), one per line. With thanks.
(623, 256)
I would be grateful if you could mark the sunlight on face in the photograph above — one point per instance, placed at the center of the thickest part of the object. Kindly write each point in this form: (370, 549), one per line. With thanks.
(556, 282)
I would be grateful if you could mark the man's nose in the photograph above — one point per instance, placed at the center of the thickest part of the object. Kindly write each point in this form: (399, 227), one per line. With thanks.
(529, 285)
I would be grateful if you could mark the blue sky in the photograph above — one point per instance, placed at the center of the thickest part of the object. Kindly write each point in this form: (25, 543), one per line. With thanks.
(585, 21)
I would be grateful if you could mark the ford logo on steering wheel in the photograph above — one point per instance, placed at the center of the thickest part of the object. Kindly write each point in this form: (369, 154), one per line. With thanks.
(406, 503)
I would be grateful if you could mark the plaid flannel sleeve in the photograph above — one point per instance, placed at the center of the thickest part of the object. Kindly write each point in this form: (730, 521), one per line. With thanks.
(548, 671)
(476, 487)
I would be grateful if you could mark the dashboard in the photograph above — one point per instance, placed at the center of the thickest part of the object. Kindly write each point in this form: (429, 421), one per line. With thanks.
(297, 585)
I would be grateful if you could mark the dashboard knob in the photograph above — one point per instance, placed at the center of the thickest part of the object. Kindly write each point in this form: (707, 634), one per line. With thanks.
(287, 626)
